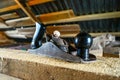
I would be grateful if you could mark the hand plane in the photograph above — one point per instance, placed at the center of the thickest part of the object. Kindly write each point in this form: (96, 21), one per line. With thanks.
(59, 48)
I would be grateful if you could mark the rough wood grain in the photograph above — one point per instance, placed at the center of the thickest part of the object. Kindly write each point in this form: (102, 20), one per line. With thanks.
(27, 11)
(4, 40)
(98, 16)
(10, 15)
(72, 29)
(33, 67)
(56, 15)
(43, 18)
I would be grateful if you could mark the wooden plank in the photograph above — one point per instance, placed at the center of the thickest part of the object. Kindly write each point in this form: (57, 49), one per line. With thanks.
(4, 39)
(15, 34)
(93, 34)
(34, 2)
(112, 33)
(44, 18)
(9, 8)
(33, 67)
(3, 23)
(72, 29)
(31, 29)
(27, 11)
(31, 2)
(56, 15)
(10, 15)
(89, 17)
(71, 19)
(64, 29)
(6, 3)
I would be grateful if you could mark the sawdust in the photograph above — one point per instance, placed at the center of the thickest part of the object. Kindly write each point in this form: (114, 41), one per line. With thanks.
(103, 66)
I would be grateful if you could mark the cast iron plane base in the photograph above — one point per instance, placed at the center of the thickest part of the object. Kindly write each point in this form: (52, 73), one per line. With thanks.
(51, 50)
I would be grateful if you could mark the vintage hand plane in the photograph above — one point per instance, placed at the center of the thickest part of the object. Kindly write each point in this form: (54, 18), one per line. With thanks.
(59, 48)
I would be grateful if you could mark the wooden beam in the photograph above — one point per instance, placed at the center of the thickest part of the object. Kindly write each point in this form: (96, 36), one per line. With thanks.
(56, 15)
(64, 29)
(98, 34)
(27, 11)
(71, 29)
(9, 15)
(31, 2)
(68, 19)
(3, 23)
(34, 2)
(43, 18)
(28, 66)
(89, 17)
(93, 34)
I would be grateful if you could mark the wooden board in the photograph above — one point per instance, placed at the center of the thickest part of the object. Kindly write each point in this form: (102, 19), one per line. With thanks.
(4, 39)
(44, 18)
(112, 33)
(33, 67)
(71, 30)
(65, 30)
(26, 20)
(111, 52)
(31, 2)
(9, 16)
(57, 15)
(98, 16)
(27, 11)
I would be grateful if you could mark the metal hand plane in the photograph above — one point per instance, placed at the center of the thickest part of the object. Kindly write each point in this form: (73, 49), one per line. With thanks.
(59, 49)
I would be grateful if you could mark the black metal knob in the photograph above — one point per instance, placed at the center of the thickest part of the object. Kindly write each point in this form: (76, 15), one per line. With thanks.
(83, 42)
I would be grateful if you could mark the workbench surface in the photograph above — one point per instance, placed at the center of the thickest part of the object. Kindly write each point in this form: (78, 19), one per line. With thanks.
(30, 66)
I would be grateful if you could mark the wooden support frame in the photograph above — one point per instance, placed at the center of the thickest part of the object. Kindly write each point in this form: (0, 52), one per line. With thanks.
(108, 15)
(72, 29)
(89, 17)
(31, 2)
(43, 18)
(27, 11)
(9, 16)
(93, 34)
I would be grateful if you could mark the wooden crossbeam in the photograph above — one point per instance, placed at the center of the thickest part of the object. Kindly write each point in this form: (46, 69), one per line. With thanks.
(72, 29)
(93, 34)
(56, 15)
(43, 18)
(89, 17)
(67, 19)
(31, 2)
(10, 15)
(98, 34)
(27, 11)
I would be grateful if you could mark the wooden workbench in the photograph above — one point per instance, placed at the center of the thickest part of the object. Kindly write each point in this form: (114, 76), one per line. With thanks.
(28, 66)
